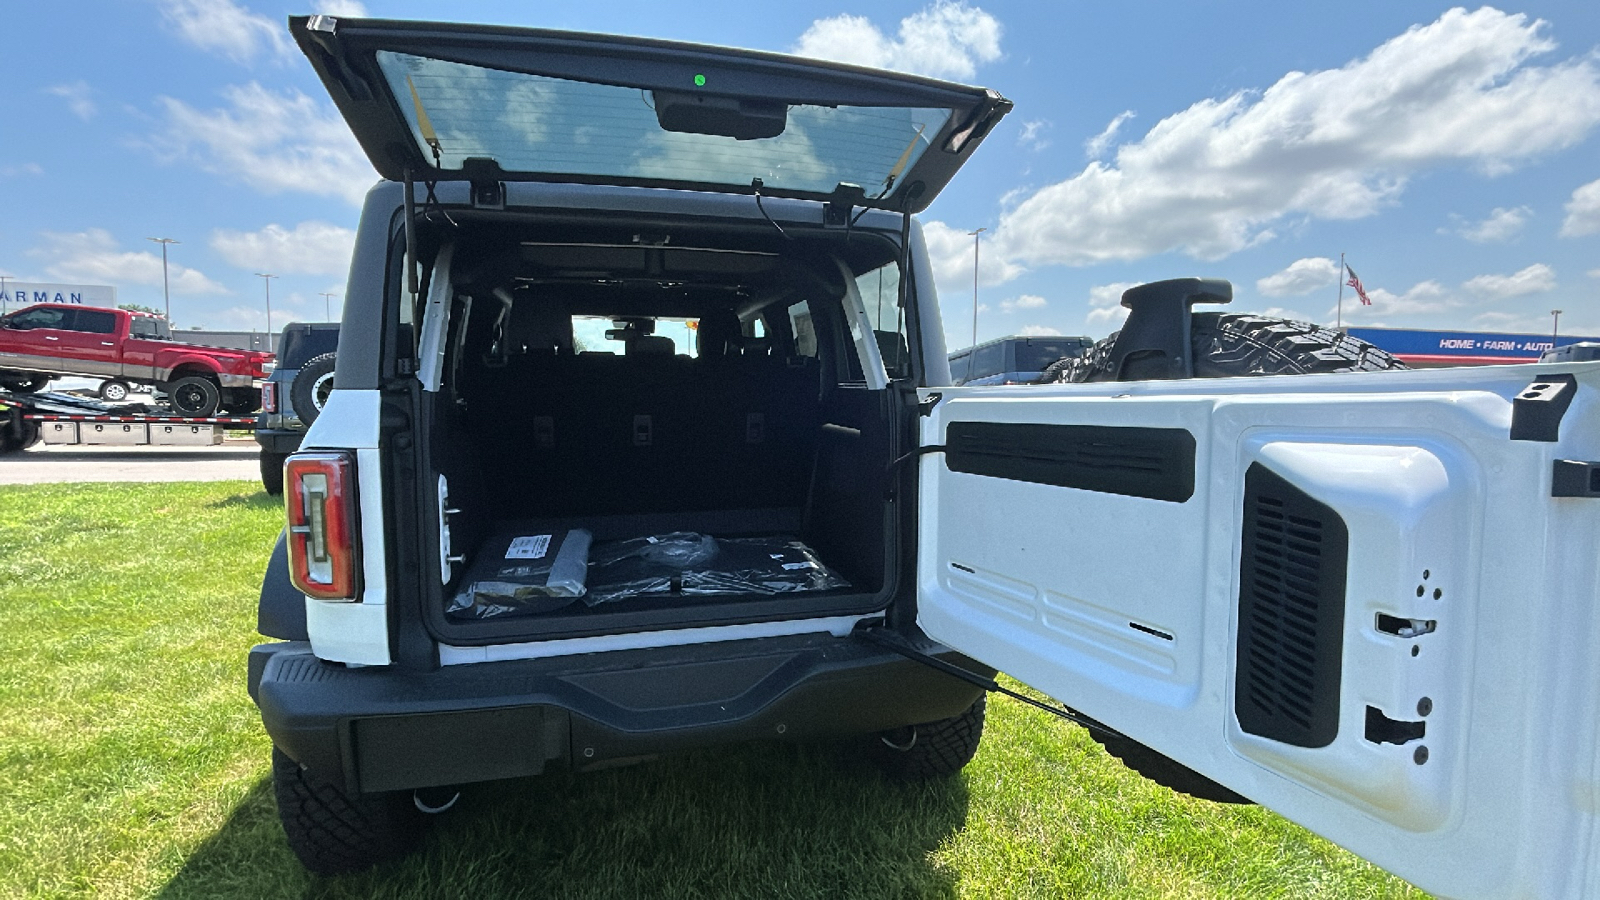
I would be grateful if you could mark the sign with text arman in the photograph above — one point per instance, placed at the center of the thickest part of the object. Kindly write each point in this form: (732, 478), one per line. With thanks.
(25, 293)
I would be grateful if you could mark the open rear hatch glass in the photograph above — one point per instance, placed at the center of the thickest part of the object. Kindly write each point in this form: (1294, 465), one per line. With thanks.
(436, 101)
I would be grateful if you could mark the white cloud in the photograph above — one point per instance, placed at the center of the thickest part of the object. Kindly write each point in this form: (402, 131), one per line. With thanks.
(252, 315)
(1300, 277)
(1025, 301)
(1336, 144)
(1594, 273)
(1535, 279)
(1501, 225)
(350, 8)
(950, 251)
(27, 168)
(1583, 211)
(1423, 297)
(271, 141)
(77, 94)
(1032, 134)
(94, 256)
(1038, 331)
(227, 29)
(1097, 146)
(310, 248)
(947, 39)
(1105, 303)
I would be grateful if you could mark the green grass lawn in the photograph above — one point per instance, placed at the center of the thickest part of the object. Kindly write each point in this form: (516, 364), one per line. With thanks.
(133, 764)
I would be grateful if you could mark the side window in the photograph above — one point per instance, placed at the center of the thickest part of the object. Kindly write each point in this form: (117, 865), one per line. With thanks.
(44, 317)
(988, 360)
(880, 294)
(149, 329)
(94, 321)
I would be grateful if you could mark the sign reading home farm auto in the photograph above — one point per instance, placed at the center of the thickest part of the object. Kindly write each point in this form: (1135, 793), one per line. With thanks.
(1463, 348)
(26, 293)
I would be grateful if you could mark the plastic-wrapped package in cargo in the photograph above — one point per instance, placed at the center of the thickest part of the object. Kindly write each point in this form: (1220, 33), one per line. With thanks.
(524, 574)
(696, 565)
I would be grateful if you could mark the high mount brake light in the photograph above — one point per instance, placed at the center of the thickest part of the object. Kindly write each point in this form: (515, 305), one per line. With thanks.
(320, 500)
(269, 397)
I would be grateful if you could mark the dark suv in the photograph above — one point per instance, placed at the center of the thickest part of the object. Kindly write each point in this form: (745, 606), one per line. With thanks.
(294, 393)
(642, 437)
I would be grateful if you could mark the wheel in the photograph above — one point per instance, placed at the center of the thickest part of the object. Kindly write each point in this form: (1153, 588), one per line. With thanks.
(24, 384)
(12, 441)
(311, 387)
(933, 749)
(272, 472)
(1164, 771)
(115, 391)
(1228, 345)
(194, 395)
(332, 832)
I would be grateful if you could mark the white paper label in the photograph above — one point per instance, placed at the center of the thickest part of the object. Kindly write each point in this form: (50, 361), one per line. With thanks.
(531, 547)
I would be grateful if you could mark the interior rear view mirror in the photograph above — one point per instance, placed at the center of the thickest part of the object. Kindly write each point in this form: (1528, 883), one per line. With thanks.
(742, 120)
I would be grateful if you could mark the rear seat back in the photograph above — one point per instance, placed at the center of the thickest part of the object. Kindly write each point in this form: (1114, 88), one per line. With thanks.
(588, 433)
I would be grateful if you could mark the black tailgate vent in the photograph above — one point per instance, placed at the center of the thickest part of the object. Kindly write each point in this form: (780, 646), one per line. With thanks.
(1291, 613)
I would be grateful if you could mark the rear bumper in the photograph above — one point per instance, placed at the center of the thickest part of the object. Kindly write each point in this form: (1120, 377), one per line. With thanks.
(380, 729)
(275, 441)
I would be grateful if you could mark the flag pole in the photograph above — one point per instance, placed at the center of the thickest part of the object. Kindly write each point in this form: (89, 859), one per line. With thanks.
(1339, 324)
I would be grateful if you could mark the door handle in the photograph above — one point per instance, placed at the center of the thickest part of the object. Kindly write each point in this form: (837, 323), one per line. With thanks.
(108, 343)
(50, 338)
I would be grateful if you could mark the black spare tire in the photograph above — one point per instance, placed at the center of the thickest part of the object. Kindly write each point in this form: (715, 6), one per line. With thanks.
(194, 395)
(309, 392)
(1227, 345)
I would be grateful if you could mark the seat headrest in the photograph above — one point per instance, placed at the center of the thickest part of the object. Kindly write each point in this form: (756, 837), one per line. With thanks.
(538, 325)
(651, 345)
(719, 333)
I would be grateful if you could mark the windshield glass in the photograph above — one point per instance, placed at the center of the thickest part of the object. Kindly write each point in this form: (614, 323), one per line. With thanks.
(534, 123)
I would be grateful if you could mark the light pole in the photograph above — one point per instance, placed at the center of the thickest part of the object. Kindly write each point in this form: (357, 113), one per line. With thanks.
(3, 294)
(327, 306)
(266, 279)
(166, 293)
(972, 355)
(1555, 327)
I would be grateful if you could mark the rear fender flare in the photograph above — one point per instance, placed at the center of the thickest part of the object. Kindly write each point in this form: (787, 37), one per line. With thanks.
(282, 611)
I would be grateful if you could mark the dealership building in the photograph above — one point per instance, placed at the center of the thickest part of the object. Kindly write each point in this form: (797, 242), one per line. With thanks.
(1427, 349)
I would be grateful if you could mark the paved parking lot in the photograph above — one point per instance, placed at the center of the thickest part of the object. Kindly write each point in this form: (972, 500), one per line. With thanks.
(44, 464)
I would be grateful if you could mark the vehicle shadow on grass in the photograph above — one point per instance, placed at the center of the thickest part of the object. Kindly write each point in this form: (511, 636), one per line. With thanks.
(257, 499)
(752, 821)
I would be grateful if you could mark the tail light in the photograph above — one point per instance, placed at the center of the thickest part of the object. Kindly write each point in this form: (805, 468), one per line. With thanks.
(324, 524)
(269, 397)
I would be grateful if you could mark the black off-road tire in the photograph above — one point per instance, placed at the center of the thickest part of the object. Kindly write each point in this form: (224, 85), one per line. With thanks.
(194, 395)
(1164, 771)
(311, 386)
(25, 384)
(1227, 345)
(931, 750)
(272, 472)
(12, 442)
(333, 833)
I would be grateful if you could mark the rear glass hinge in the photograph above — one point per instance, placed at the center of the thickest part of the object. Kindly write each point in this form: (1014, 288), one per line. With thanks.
(1537, 411)
(926, 404)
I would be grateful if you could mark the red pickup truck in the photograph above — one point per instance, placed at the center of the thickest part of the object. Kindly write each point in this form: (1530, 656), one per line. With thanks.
(48, 340)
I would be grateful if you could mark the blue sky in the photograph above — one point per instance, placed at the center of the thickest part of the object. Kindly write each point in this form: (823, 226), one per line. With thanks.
(1453, 154)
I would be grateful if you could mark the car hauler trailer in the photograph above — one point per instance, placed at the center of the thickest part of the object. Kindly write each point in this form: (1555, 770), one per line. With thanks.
(64, 419)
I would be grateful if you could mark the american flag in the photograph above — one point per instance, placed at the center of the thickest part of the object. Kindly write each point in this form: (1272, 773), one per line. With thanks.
(1356, 283)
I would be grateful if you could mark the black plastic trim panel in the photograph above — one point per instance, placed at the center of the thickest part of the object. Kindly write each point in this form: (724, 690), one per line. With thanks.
(1292, 560)
(386, 729)
(1156, 463)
